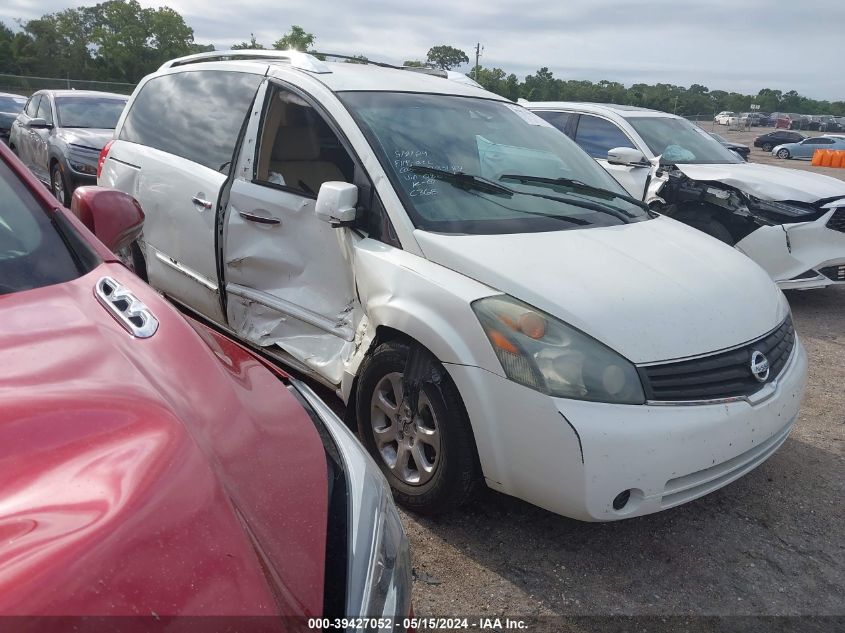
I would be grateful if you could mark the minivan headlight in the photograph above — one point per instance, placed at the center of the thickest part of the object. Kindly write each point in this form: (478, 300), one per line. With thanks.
(544, 353)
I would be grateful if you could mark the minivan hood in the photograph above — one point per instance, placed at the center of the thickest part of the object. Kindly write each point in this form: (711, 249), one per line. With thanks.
(95, 138)
(653, 291)
(768, 182)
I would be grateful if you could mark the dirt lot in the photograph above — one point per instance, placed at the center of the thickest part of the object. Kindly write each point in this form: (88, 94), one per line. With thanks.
(766, 158)
(769, 544)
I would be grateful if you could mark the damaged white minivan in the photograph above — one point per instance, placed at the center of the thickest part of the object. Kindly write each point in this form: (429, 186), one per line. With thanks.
(490, 304)
(790, 222)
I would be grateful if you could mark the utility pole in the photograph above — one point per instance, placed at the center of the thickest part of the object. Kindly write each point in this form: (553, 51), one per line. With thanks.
(676, 105)
(478, 50)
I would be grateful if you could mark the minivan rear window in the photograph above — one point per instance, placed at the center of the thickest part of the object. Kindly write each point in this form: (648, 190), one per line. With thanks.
(194, 114)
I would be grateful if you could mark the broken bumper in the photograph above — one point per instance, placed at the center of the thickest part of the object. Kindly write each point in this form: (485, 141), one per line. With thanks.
(801, 256)
(575, 458)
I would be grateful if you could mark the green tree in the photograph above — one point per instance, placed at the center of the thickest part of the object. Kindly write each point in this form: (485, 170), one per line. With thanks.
(130, 41)
(297, 39)
(413, 64)
(446, 57)
(252, 44)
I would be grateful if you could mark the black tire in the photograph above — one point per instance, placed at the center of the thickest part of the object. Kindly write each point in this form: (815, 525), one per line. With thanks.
(768, 147)
(714, 228)
(456, 475)
(133, 259)
(59, 184)
(783, 153)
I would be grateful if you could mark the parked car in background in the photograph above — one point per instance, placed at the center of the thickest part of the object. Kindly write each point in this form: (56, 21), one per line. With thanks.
(724, 117)
(764, 120)
(742, 150)
(801, 122)
(151, 465)
(60, 133)
(807, 147)
(790, 222)
(831, 125)
(767, 142)
(11, 105)
(457, 235)
(781, 120)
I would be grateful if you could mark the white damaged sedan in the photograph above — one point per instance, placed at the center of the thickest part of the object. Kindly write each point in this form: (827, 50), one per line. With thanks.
(790, 222)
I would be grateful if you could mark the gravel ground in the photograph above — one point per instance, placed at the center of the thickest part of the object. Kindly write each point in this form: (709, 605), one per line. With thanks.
(769, 544)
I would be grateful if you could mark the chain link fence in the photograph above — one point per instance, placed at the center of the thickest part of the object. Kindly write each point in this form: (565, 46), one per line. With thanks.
(25, 85)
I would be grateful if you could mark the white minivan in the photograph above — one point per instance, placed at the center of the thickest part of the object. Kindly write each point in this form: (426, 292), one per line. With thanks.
(490, 304)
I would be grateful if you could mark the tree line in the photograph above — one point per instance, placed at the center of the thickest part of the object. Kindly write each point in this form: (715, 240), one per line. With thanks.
(121, 41)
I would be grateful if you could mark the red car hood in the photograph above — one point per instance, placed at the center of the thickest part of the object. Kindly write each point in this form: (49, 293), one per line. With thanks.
(169, 475)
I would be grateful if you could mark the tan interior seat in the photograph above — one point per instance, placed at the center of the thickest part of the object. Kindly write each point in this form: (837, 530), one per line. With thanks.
(296, 157)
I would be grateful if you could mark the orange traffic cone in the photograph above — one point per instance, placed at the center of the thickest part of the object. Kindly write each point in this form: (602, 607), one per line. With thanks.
(837, 159)
(817, 158)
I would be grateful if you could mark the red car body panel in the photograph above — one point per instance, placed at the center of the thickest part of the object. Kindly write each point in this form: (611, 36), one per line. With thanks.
(174, 475)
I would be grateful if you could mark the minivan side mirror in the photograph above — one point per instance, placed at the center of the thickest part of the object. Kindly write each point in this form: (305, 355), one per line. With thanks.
(336, 202)
(627, 156)
(114, 217)
(39, 124)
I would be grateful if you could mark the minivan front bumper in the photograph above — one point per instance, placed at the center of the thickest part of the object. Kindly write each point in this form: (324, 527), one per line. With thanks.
(576, 458)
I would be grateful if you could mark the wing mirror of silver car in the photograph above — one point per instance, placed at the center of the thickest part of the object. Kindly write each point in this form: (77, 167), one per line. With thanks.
(114, 217)
(626, 156)
(336, 202)
(39, 124)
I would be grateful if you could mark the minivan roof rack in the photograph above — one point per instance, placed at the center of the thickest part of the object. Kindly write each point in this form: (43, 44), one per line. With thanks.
(425, 70)
(297, 59)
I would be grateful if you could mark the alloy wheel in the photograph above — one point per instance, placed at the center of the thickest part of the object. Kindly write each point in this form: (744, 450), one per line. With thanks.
(57, 184)
(407, 441)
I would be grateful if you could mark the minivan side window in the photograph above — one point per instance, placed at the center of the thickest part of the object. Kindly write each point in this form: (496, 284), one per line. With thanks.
(32, 105)
(194, 114)
(597, 136)
(45, 111)
(298, 149)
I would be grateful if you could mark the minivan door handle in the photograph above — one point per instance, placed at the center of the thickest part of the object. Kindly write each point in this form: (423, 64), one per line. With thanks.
(261, 219)
(204, 205)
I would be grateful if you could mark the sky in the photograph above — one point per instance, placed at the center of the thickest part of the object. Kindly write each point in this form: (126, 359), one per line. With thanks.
(735, 45)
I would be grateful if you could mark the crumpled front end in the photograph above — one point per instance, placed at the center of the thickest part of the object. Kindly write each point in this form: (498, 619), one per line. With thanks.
(800, 242)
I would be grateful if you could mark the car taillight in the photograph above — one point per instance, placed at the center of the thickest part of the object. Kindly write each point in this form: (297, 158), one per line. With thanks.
(104, 154)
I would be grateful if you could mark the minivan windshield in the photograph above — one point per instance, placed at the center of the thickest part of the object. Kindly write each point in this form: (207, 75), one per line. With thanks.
(478, 166)
(679, 142)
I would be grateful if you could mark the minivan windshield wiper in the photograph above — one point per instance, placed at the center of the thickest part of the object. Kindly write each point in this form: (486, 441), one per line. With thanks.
(479, 183)
(460, 179)
(578, 186)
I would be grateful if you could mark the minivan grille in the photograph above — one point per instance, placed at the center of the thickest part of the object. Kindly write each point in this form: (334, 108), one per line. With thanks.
(723, 375)
(837, 220)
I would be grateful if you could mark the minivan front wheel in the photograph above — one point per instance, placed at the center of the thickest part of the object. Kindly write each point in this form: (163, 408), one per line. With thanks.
(133, 259)
(412, 420)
